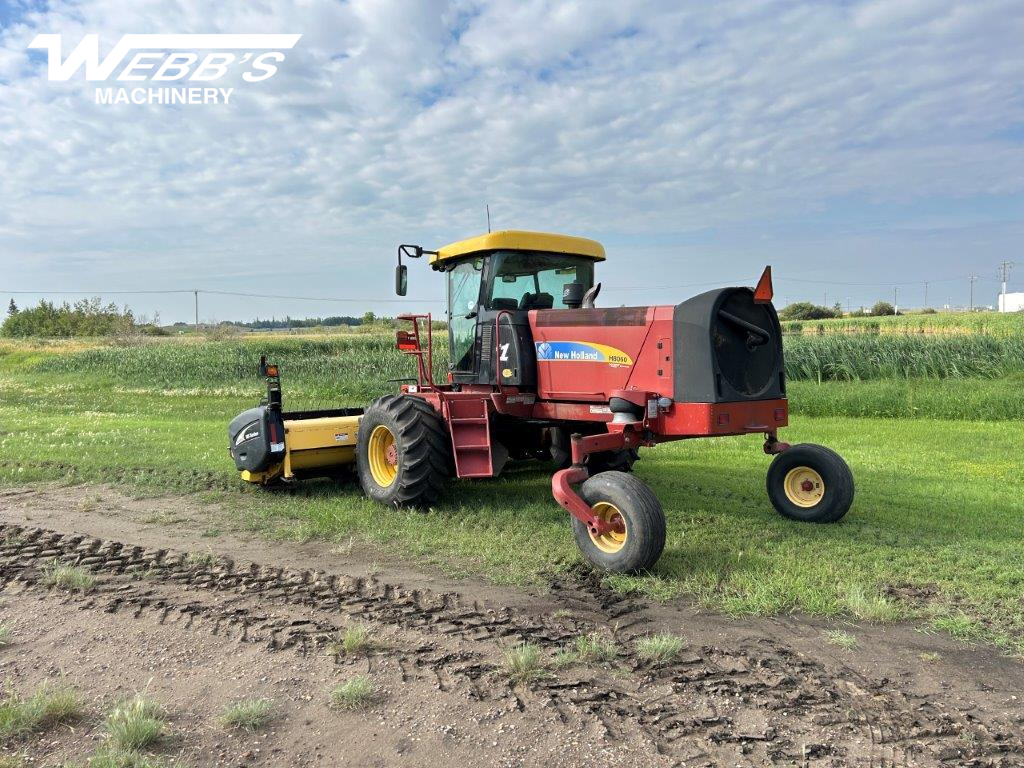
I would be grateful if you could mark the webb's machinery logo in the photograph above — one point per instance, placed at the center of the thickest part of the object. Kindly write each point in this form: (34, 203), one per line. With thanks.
(166, 58)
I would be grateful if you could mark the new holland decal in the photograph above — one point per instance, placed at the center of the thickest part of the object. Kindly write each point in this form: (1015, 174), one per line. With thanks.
(581, 352)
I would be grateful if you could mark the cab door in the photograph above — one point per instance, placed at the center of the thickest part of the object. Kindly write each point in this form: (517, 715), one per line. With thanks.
(464, 281)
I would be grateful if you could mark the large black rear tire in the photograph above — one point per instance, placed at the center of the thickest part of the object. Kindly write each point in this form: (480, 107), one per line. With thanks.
(403, 453)
(639, 545)
(810, 483)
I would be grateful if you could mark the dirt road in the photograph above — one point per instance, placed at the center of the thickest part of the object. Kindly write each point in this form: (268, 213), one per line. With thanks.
(250, 617)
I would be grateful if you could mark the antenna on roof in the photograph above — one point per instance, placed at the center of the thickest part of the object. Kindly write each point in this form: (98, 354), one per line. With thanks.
(488, 207)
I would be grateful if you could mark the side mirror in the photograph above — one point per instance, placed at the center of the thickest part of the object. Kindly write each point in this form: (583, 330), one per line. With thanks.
(401, 279)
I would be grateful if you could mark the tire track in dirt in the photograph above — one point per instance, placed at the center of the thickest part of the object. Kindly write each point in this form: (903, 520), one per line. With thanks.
(756, 704)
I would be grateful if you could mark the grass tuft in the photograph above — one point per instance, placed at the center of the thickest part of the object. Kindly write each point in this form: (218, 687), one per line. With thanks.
(653, 587)
(563, 658)
(960, 626)
(868, 605)
(660, 648)
(136, 723)
(6, 633)
(524, 662)
(248, 714)
(69, 577)
(930, 657)
(355, 642)
(357, 693)
(49, 704)
(595, 648)
(840, 638)
(200, 559)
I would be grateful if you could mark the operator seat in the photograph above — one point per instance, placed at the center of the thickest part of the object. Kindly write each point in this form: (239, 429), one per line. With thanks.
(536, 301)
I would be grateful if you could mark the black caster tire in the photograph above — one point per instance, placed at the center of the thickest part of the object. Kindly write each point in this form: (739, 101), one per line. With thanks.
(623, 498)
(810, 483)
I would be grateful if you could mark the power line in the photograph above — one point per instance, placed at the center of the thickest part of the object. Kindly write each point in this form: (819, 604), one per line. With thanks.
(305, 298)
(673, 287)
(1004, 269)
(217, 293)
(99, 293)
(787, 279)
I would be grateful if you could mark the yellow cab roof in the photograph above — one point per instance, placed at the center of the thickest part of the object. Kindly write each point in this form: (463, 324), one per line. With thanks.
(517, 240)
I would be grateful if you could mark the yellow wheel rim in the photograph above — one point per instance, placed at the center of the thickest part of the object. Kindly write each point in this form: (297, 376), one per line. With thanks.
(615, 539)
(383, 456)
(804, 487)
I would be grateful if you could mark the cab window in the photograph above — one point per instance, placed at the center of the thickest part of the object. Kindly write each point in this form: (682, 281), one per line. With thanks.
(529, 280)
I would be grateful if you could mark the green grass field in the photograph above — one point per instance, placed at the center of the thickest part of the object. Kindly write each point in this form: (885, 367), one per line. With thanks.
(934, 534)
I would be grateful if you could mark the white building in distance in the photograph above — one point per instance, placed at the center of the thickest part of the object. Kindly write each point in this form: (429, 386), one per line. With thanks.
(1011, 302)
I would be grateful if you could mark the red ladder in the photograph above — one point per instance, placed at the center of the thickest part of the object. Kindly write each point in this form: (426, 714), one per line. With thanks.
(471, 436)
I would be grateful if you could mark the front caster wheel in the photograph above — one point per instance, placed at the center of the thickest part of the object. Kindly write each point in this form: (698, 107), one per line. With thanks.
(638, 533)
(810, 483)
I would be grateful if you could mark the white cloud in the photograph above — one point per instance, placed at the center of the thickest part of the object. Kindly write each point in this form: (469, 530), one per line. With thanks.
(396, 121)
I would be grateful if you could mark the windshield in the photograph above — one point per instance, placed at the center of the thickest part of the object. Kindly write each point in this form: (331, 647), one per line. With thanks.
(532, 280)
(463, 299)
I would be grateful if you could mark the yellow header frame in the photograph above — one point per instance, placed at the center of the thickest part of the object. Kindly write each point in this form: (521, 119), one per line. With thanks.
(518, 240)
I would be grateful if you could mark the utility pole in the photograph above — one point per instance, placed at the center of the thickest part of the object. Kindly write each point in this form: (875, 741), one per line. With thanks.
(925, 294)
(195, 295)
(1004, 273)
(895, 300)
(972, 278)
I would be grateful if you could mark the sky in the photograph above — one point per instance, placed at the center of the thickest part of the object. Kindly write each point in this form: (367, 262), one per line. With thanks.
(860, 148)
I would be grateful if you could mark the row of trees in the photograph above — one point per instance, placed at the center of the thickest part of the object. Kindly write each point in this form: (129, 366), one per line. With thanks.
(308, 322)
(805, 310)
(88, 317)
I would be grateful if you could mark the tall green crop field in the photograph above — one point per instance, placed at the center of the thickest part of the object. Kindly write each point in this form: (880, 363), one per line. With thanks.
(356, 368)
(944, 323)
(911, 376)
(838, 357)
